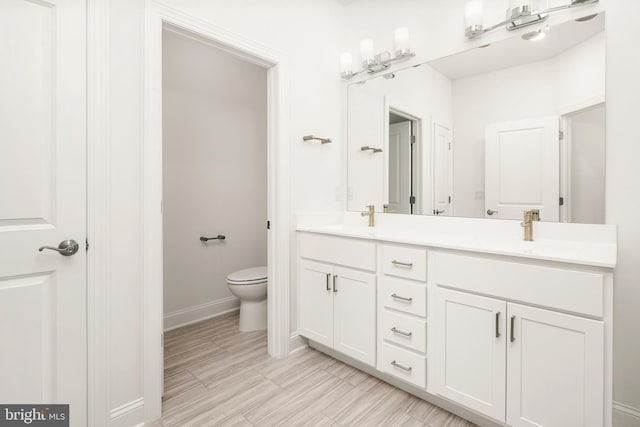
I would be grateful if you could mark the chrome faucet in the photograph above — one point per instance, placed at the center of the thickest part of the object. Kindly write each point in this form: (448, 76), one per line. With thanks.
(529, 217)
(370, 212)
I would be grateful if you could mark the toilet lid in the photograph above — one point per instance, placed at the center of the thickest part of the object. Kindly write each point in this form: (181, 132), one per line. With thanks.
(248, 275)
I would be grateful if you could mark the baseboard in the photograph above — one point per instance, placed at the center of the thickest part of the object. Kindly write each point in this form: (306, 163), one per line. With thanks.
(127, 415)
(197, 313)
(296, 342)
(625, 416)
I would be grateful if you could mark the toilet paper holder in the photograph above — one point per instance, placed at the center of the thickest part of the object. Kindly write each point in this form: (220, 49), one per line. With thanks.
(206, 239)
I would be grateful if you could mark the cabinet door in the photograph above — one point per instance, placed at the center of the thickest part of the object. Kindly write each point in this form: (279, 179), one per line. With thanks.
(469, 354)
(555, 369)
(316, 302)
(355, 315)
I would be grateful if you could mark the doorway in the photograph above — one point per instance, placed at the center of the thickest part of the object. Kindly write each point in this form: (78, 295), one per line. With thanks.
(403, 182)
(277, 182)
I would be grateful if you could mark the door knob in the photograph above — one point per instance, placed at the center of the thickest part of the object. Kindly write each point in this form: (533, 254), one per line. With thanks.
(491, 212)
(65, 248)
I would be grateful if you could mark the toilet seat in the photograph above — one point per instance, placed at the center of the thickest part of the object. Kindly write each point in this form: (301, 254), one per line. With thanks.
(248, 276)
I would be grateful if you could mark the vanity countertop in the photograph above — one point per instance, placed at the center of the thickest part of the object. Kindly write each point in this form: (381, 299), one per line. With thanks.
(556, 242)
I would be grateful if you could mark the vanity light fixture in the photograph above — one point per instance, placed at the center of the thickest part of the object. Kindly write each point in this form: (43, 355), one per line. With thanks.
(521, 13)
(374, 63)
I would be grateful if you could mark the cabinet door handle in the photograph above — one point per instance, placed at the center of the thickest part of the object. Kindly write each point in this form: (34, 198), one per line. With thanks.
(398, 331)
(405, 299)
(399, 366)
(335, 288)
(498, 325)
(328, 277)
(402, 264)
(513, 326)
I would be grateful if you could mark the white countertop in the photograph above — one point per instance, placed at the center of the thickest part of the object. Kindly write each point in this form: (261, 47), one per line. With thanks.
(593, 245)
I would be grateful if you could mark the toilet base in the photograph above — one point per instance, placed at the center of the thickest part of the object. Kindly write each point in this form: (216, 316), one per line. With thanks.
(253, 316)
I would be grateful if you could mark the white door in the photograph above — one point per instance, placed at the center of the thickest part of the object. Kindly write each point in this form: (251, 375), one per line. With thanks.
(316, 302)
(522, 169)
(43, 202)
(442, 170)
(554, 369)
(470, 354)
(400, 167)
(355, 314)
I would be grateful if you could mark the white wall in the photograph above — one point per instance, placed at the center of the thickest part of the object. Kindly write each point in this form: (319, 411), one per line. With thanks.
(215, 174)
(537, 89)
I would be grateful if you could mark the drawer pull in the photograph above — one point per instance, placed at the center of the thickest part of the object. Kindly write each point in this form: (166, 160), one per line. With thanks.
(405, 299)
(399, 332)
(402, 264)
(513, 326)
(328, 277)
(404, 368)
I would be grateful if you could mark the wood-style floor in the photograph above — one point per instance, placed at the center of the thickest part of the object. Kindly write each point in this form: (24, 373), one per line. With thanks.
(218, 376)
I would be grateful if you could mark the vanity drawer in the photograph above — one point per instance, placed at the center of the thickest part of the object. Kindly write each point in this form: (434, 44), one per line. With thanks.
(404, 330)
(403, 261)
(338, 250)
(564, 289)
(404, 296)
(403, 364)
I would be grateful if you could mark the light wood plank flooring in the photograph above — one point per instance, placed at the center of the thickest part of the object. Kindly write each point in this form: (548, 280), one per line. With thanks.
(218, 376)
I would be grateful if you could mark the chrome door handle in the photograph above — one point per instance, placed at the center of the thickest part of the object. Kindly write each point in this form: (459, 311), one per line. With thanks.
(335, 288)
(439, 211)
(498, 325)
(405, 299)
(328, 277)
(403, 264)
(65, 248)
(491, 212)
(399, 366)
(398, 331)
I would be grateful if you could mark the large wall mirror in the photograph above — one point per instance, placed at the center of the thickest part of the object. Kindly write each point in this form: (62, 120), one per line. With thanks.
(487, 133)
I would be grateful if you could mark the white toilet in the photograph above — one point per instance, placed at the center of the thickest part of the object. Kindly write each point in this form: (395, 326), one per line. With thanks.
(250, 286)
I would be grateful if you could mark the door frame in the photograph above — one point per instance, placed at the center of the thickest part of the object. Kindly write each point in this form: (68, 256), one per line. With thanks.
(157, 16)
(276, 63)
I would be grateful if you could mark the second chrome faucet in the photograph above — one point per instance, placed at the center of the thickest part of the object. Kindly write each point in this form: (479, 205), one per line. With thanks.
(371, 213)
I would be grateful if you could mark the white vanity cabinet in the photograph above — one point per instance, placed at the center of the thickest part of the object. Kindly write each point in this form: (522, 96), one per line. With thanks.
(338, 304)
(518, 340)
(518, 364)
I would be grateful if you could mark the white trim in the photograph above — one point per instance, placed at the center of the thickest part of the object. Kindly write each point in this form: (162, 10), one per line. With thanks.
(98, 221)
(625, 415)
(129, 414)
(583, 105)
(278, 171)
(297, 342)
(197, 313)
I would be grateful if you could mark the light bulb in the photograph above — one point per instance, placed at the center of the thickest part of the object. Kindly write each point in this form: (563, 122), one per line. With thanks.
(401, 40)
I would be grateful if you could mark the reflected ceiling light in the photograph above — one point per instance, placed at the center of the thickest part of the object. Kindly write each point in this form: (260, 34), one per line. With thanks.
(586, 18)
(521, 13)
(534, 36)
(374, 63)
